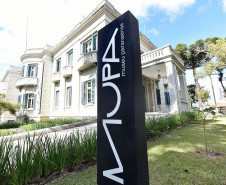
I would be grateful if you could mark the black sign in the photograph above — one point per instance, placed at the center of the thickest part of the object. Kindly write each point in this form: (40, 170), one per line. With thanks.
(122, 148)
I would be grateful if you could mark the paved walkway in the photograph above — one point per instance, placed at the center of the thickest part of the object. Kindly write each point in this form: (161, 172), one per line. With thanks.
(81, 130)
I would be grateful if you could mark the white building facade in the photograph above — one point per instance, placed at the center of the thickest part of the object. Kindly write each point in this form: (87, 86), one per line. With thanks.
(61, 81)
(8, 87)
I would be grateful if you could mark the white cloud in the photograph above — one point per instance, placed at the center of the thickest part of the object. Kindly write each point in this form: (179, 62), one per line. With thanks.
(204, 8)
(50, 20)
(224, 5)
(154, 31)
(140, 8)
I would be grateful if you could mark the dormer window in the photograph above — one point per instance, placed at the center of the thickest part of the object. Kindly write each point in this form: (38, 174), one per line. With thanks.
(89, 44)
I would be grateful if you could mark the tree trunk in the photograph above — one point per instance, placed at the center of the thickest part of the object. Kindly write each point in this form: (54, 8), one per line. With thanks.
(220, 78)
(213, 91)
(197, 88)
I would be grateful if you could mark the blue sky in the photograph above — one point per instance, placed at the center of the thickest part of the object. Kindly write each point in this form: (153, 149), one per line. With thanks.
(205, 18)
(166, 22)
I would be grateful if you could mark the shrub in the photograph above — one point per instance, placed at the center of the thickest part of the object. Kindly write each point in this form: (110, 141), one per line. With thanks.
(5, 132)
(24, 118)
(7, 125)
(156, 126)
(48, 123)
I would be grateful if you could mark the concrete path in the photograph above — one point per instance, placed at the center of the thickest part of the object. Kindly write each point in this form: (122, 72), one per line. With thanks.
(60, 130)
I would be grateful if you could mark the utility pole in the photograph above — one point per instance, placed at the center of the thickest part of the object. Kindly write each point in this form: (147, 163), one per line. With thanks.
(26, 34)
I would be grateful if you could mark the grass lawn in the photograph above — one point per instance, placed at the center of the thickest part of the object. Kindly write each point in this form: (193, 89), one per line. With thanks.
(178, 158)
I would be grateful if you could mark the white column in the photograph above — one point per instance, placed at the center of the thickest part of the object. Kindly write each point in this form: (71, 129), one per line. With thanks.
(186, 92)
(173, 87)
(182, 87)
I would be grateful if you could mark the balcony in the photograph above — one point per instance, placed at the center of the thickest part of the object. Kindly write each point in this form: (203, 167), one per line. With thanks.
(67, 71)
(158, 54)
(56, 77)
(87, 60)
(26, 81)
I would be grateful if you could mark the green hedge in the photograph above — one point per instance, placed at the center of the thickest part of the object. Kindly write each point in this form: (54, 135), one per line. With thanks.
(7, 125)
(156, 126)
(49, 123)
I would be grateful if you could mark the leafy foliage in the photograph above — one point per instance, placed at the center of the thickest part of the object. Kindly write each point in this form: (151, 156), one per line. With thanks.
(30, 159)
(156, 126)
(193, 94)
(193, 56)
(24, 118)
(48, 123)
(5, 105)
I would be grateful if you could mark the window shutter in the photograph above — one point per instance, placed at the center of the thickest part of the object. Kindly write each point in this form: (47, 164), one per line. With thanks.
(84, 93)
(34, 101)
(25, 100)
(22, 72)
(158, 97)
(83, 48)
(94, 42)
(36, 70)
(59, 66)
(168, 97)
(27, 71)
(93, 90)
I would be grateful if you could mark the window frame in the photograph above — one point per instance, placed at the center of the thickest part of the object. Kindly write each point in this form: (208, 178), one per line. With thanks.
(58, 65)
(71, 61)
(32, 70)
(88, 94)
(86, 48)
(68, 96)
(57, 99)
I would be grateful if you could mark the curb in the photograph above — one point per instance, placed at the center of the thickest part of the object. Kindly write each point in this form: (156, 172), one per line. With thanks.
(45, 130)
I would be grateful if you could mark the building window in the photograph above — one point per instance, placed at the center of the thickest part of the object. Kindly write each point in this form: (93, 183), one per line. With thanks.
(22, 72)
(70, 58)
(69, 96)
(88, 92)
(29, 101)
(57, 99)
(167, 98)
(158, 96)
(19, 99)
(32, 70)
(89, 45)
(58, 65)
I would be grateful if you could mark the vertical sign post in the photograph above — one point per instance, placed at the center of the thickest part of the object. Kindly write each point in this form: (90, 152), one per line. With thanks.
(122, 148)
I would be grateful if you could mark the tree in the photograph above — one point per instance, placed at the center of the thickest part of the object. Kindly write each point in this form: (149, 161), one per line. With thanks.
(203, 94)
(193, 57)
(217, 47)
(5, 105)
(208, 71)
(192, 93)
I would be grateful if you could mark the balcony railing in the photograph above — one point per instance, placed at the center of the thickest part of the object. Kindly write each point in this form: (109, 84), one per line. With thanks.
(56, 77)
(26, 81)
(87, 60)
(67, 71)
(158, 54)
